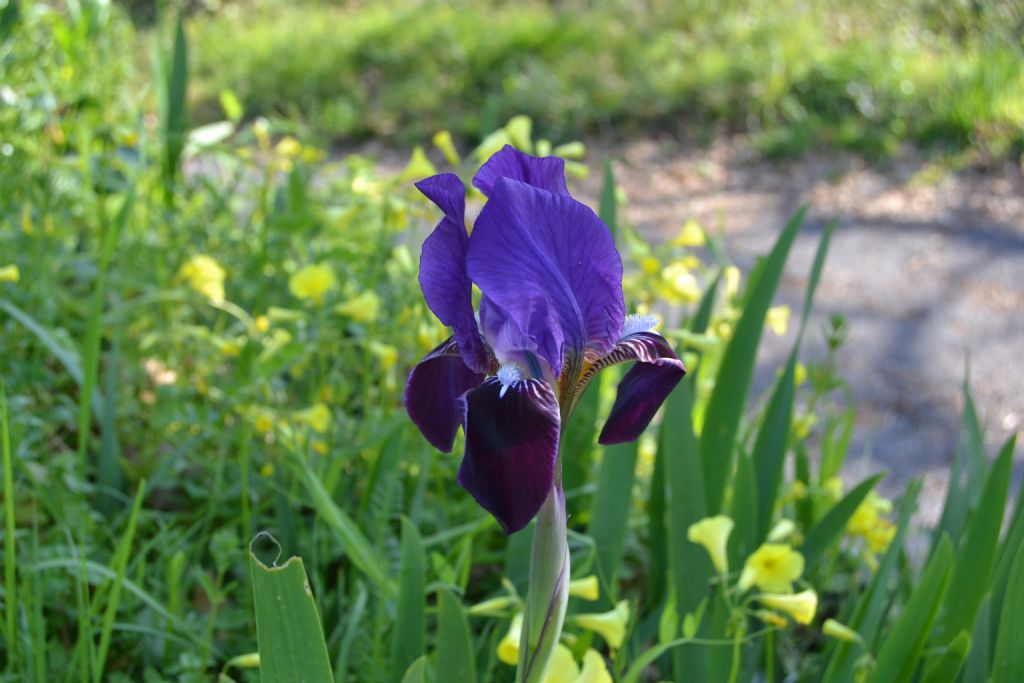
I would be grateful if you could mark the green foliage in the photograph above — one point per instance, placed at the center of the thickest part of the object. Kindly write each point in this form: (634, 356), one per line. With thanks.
(851, 75)
(212, 327)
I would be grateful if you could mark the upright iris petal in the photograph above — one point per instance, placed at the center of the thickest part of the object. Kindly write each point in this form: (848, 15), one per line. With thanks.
(550, 263)
(546, 173)
(443, 278)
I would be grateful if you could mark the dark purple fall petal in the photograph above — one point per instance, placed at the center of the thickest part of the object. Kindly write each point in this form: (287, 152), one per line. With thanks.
(547, 173)
(511, 446)
(551, 265)
(443, 279)
(433, 390)
(643, 389)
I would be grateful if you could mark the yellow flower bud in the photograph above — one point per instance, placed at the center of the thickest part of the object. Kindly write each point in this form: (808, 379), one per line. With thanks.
(312, 282)
(586, 588)
(713, 534)
(495, 607)
(777, 319)
(443, 141)
(386, 354)
(799, 374)
(520, 131)
(246, 661)
(833, 629)
(419, 166)
(732, 282)
(782, 530)
(10, 273)
(609, 625)
(802, 606)
(317, 417)
(362, 308)
(508, 648)
(691, 235)
(769, 617)
(571, 150)
(773, 568)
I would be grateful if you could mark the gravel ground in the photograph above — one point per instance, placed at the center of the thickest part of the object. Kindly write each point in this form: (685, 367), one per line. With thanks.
(928, 269)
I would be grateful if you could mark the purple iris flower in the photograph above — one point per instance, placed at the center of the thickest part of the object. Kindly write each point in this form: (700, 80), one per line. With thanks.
(551, 316)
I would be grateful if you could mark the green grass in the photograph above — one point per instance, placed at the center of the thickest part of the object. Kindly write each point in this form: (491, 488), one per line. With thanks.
(866, 77)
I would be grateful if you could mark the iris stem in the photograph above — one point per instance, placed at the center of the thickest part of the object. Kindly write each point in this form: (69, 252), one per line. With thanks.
(548, 592)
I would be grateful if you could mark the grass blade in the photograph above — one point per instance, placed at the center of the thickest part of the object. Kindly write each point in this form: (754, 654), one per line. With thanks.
(1008, 664)
(455, 660)
(609, 514)
(825, 532)
(725, 407)
(10, 550)
(291, 640)
(411, 619)
(769, 454)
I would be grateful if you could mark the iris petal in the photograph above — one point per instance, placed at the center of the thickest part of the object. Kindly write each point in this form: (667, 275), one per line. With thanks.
(546, 173)
(511, 446)
(644, 388)
(443, 278)
(551, 265)
(433, 390)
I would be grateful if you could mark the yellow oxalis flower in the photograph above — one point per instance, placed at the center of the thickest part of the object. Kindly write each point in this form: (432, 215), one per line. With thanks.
(204, 275)
(443, 141)
(802, 606)
(312, 282)
(868, 514)
(508, 648)
(732, 282)
(609, 625)
(713, 534)
(773, 568)
(419, 166)
(10, 273)
(386, 354)
(586, 588)
(777, 319)
(561, 667)
(317, 417)
(691, 235)
(681, 284)
(363, 308)
(595, 670)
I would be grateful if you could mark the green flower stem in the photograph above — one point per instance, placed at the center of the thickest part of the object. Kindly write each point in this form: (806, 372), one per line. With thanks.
(548, 593)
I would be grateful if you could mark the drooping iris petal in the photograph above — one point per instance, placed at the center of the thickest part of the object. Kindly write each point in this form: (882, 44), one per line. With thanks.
(433, 390)
(443, 278)
(547, 173)
(551, 265)
(512, 435)
(643, 389)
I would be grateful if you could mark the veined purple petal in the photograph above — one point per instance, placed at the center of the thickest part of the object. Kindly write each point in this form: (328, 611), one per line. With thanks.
(643, 389)
(433, 390)
(512, 432)
(551, 265)
(443, 278)
(547, 173)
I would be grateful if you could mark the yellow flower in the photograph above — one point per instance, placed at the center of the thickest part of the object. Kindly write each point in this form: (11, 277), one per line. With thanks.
(866, 516)
(419, 166)
(834, 488)
(732, 282)
(561, 667)
(713, 534)
(10, 273)
(595, 670)
(586, 588)
(691, 235)
(880, 536)
(443, 141)
(288, 147)
(362, 308)
(773, 568)
(508, 648)
(263, 423)
(681, 282)
(319, 447)
(609, 625)
(778, 319)
(769, 617)
(386, 354)
(204, 275)
(782, 530)
(650, 264)
(834, 629)
(317, 417)
(311, 282)
(802, 606)
(262, 323)
(799, 374)
(267, 470)
(520, 131)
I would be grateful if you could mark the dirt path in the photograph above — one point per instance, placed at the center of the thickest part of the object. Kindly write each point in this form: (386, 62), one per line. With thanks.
(928, 272)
